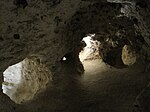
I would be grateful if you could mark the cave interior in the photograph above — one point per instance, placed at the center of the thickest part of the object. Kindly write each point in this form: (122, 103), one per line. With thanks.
(74, 55)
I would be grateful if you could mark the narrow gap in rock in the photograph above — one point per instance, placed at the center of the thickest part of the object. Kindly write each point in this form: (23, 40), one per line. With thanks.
(16, 36)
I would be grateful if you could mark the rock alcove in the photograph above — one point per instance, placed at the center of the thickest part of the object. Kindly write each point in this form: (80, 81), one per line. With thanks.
(25, 79)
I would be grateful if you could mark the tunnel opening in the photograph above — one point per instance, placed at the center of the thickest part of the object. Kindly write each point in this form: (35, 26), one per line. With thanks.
(115, 52)
(89, 48)
(24, 80)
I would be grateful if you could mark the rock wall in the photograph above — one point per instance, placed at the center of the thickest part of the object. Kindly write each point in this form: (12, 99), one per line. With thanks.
(129, 56)
(34, 79)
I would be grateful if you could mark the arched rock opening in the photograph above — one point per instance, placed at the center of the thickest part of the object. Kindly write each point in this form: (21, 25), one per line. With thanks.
(24, 80)
(113, 30)
(90, 48)
(112, 51)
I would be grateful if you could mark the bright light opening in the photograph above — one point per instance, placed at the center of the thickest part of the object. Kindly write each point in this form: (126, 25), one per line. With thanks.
(91, 51)
(64, 59)
(12, 78)
(25, 79)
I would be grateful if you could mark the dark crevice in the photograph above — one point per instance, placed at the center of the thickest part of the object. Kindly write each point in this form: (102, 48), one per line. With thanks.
(52, 3)
(72, 60)
(113, 58)
(16, 36)
(142, 4)
(21, 3)
(1, 39)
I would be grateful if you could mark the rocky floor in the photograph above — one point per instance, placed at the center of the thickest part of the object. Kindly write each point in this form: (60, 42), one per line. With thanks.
(100, 89)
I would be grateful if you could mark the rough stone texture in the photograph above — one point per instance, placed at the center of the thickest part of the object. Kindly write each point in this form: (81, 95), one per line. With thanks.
(129, 56)
(51, 29)
(35, 77)
(33, 31)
